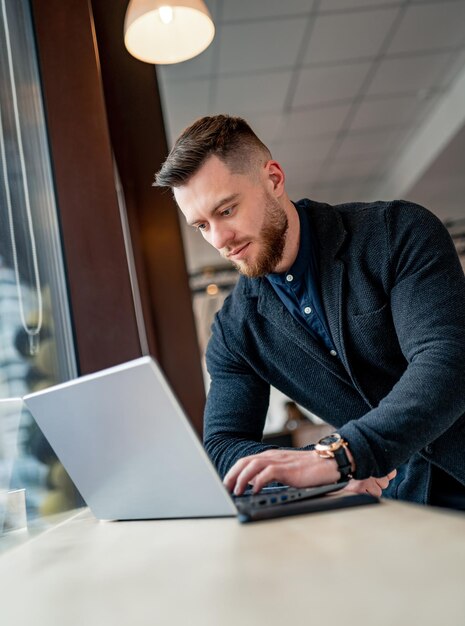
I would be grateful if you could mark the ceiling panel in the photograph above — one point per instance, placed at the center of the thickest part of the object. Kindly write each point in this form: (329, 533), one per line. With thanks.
(366, 193)
(300, 183)
(334, 195)
(252, 9)
(239, 51)
(200, 66)
(442, 186)
(454, 67)
(213, 6)
(369, 143)
(442, 25)
(265, 125)
(382, 112)
(346, 169)
(329, 84)
(262, 92)
(410, 74)
(347, 5)
(341, 37)
(313, 122)
(297, 192)
(303, 149)
(182, 104)
(300, 186)
(302, 160)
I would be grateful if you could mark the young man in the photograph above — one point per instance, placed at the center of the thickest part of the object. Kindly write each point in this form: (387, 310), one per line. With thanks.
(355, 311)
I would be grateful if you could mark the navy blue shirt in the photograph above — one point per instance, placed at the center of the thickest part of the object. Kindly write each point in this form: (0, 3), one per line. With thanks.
(299, 287)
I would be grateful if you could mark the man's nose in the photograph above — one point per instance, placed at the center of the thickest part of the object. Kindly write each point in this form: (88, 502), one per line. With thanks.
(220, 236)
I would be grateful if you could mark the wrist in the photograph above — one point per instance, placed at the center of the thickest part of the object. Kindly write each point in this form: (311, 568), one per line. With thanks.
(333, 447)
(327, 468)
(351, 459)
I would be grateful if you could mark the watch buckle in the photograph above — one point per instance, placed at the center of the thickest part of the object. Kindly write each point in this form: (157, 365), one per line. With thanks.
(326, 454)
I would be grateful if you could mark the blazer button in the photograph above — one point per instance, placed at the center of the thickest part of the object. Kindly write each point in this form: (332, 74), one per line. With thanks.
(429, 449)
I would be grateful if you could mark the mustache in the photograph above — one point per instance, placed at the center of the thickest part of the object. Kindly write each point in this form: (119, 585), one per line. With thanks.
(228, 250)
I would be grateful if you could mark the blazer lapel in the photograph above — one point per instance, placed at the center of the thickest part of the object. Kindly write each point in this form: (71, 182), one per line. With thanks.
(331, 234)
(271, 307)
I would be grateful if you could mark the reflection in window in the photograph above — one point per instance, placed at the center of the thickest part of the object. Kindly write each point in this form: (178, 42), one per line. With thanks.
(36, 344)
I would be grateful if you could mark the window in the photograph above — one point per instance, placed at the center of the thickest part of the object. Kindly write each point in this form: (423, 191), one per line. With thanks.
(36, 339)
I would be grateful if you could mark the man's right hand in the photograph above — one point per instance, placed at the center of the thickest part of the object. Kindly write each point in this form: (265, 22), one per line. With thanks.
(373, 486)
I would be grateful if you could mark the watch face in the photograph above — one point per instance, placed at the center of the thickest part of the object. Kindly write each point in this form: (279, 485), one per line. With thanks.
(330, 439)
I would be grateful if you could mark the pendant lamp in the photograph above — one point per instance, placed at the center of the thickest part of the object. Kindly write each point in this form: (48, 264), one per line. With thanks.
(167, 31)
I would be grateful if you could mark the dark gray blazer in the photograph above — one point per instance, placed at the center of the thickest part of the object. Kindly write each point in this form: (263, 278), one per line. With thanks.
(394, 295)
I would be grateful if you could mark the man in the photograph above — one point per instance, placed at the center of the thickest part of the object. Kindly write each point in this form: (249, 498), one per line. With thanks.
(356, 312)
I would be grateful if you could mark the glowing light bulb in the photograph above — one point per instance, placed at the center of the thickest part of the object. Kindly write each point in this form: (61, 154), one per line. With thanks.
(166, 14)
(149, 24)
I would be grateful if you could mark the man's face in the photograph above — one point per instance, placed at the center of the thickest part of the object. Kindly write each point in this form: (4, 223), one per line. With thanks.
(237, 214)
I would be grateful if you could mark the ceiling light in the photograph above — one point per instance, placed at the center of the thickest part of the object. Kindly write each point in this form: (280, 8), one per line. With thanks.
(167, 31)
(166, 14)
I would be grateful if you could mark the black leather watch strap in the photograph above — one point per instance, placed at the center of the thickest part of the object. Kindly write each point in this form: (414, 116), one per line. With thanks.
(343, 464)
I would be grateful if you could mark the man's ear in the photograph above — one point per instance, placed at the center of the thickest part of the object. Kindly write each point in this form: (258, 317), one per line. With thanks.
(277, 177)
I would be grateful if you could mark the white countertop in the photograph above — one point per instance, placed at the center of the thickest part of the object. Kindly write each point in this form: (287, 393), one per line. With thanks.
(391, 564)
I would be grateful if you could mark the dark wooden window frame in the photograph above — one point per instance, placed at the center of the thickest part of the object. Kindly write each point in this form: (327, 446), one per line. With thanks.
(101, 104)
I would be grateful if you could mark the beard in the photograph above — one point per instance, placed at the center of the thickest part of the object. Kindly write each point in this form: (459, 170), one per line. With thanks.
(271, 241)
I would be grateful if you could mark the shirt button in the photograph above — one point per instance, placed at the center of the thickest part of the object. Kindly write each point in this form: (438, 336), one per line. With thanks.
(308, 310)
(289, 278)
(333, 352)
(429, 449)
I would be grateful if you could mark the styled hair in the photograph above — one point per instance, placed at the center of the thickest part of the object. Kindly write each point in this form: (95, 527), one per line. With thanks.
(229, 138)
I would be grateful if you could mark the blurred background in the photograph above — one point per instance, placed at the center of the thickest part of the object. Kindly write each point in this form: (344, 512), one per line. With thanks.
(359, 100)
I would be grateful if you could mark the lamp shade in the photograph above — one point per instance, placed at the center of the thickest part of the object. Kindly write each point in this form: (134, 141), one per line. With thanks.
(167, 31)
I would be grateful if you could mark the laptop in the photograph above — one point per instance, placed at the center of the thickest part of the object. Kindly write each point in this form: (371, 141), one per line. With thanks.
(125, 442)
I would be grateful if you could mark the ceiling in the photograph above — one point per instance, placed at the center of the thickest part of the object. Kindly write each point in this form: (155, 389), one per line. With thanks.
(357, 99)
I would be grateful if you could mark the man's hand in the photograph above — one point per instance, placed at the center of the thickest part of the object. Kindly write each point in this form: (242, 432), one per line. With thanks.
(373, 486)
(296, 468)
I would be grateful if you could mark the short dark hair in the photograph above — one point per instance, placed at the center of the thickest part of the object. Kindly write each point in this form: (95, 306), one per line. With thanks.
(229, 138)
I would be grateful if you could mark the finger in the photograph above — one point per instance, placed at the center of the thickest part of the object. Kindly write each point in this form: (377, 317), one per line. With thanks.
(355, 486)
(231, 476)
(392, 474)
(374, 490)
(268, 475)
(249, 472)
(383, 482)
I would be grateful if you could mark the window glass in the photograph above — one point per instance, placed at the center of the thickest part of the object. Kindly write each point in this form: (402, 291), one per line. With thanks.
(36, 340)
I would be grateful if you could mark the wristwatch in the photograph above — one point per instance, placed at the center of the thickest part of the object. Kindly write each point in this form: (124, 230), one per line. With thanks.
(334, 447)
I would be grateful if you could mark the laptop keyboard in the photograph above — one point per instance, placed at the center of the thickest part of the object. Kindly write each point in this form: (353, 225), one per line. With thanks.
(277, 495)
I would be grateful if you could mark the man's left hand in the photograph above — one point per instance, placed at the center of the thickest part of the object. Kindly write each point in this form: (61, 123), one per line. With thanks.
(373, 486)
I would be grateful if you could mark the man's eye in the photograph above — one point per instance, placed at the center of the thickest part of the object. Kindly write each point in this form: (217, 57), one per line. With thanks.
(227, 212)
(201, 227)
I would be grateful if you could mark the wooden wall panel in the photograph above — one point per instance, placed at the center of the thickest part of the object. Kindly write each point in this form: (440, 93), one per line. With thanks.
(101, 101)
(99, 286)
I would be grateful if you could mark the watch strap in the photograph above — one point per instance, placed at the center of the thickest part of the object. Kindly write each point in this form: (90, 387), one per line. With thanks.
(343, 464)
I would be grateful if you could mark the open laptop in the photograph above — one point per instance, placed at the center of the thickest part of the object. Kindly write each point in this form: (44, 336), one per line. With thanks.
(127, 445)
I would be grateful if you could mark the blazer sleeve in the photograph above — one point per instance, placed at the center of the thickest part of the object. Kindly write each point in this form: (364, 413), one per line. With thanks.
(236, 407)
(428, 308)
